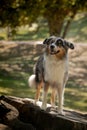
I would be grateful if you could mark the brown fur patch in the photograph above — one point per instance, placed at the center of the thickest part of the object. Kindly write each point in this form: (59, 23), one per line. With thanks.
(61, 54)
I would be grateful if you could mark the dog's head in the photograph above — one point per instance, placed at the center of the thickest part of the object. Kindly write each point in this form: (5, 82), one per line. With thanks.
(57, 46)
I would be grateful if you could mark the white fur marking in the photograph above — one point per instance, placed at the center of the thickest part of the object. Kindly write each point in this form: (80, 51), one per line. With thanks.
(31, 81)
(54, 70)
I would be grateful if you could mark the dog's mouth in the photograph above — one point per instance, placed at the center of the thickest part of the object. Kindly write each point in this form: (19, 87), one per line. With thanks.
(54, 52)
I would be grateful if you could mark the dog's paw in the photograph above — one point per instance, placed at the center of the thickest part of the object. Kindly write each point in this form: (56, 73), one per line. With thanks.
(61, 112)
(43, 106)
(35, 102)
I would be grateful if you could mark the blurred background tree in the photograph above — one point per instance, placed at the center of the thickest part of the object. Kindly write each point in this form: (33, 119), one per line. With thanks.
(14, 13)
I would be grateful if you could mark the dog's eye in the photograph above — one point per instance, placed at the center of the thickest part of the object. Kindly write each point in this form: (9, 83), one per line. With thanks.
(59, 42)
(52, 41)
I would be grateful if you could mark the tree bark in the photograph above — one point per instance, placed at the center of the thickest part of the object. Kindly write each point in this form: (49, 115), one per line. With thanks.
(55, 23)
(9, 116)
(27, 116)
(9, 33)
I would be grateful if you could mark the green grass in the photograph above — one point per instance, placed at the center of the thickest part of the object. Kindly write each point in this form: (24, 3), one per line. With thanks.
(14, 81)
(76, 96)
(16, 64)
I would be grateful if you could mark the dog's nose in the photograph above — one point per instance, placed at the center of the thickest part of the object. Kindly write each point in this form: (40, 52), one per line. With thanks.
(52, 46)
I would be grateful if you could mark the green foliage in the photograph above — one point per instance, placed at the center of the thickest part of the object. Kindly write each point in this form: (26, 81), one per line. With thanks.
(20, 12)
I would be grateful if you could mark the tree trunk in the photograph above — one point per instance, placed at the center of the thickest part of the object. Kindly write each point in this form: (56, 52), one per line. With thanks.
(9, 34)
(55, 23)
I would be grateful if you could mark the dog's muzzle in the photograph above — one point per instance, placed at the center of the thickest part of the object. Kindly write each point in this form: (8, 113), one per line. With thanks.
(53, 50)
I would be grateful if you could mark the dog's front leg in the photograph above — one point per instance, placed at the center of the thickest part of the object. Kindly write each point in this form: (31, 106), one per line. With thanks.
(60, 92)
(53, 97)
(44, 100)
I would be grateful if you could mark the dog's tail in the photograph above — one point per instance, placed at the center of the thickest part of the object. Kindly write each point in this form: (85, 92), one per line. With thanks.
(31, 81)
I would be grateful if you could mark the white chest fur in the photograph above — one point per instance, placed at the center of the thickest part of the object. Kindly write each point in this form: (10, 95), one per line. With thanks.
(55, 70)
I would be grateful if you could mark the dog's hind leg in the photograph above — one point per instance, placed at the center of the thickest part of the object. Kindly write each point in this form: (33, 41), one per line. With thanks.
(38, 88)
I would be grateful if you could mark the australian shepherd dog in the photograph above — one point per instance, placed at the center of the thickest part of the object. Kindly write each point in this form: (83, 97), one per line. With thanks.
(51, 70)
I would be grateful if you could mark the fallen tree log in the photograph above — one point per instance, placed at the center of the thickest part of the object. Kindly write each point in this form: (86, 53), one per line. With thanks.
(9, 116)
(28, 116)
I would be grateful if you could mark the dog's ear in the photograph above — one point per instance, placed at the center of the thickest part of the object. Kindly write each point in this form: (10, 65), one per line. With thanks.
(47, 40)
(69, 45)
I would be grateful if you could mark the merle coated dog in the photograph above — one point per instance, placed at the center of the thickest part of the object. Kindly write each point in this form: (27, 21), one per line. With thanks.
(51, 70)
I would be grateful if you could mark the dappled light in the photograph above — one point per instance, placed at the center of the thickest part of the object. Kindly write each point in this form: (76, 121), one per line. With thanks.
(16, 64)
